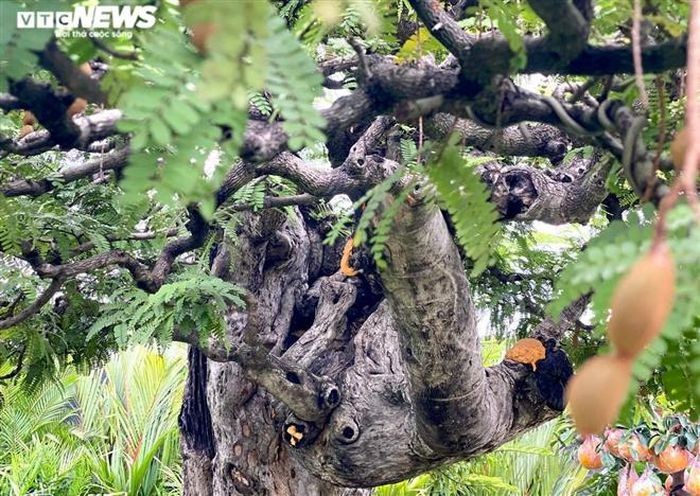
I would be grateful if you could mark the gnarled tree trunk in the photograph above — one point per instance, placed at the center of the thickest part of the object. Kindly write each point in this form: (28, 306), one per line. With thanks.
(402, 356)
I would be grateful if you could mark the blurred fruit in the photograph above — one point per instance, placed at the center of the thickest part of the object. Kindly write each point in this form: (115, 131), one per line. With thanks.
(597, 392)
(678, 147)
(642, 301)
(633, 450)
(627, 477)
(672, 459)
(613, 438)
(647, 485)
(692, 478)
(588, 454)
(201, 33)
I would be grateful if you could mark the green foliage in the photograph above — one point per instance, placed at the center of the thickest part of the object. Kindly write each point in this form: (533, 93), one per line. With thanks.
(18, 55)
(527, 261)
(466, 199)
(529, 465)
(113, 431)
(671, 359)
(170, 137)
(506, 22)
(379, 207)
(192, 303)
(294, 82)
(419, 44)
(236, 61)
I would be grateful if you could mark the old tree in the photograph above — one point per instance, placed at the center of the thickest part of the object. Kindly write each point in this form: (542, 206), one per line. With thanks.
(196, 198)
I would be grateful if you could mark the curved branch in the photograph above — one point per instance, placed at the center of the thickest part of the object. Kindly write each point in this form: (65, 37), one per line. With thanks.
(35, 307)
(429, 296)
(568, 28)
(309, 396)
(70, 75)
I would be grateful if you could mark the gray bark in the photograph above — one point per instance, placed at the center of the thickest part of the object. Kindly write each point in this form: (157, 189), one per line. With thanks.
(404, 357)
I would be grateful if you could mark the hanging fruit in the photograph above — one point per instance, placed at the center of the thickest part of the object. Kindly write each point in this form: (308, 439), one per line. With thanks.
(642, 301)
(597, 391)
(635, 450)
(613, 438)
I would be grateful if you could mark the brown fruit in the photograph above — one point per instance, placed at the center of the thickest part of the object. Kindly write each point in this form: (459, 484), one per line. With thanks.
(642, 301)
(200, 34)
(596, 393)
(85, 68)
(77, 106)
(26, 129)
(678, 147)
(28, 118)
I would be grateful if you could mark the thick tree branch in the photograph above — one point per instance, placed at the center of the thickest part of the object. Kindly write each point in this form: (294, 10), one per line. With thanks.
(309, 396)
(566, 194)
(112, 161)
(50, 108)
(429, 295)
(523, 139)
(70, 75)
(481, 59)
(443, 27)
(568, 29)
(91, 129)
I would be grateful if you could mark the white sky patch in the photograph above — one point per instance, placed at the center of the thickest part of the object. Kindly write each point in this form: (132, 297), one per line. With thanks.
(212, 161)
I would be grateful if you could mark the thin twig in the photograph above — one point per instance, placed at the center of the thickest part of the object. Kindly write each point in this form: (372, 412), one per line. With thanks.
(661, 140)
(14, 372)
(637, 53)
(685, 181)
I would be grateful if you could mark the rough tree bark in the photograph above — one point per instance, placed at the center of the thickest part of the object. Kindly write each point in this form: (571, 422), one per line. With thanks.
(406, 359)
